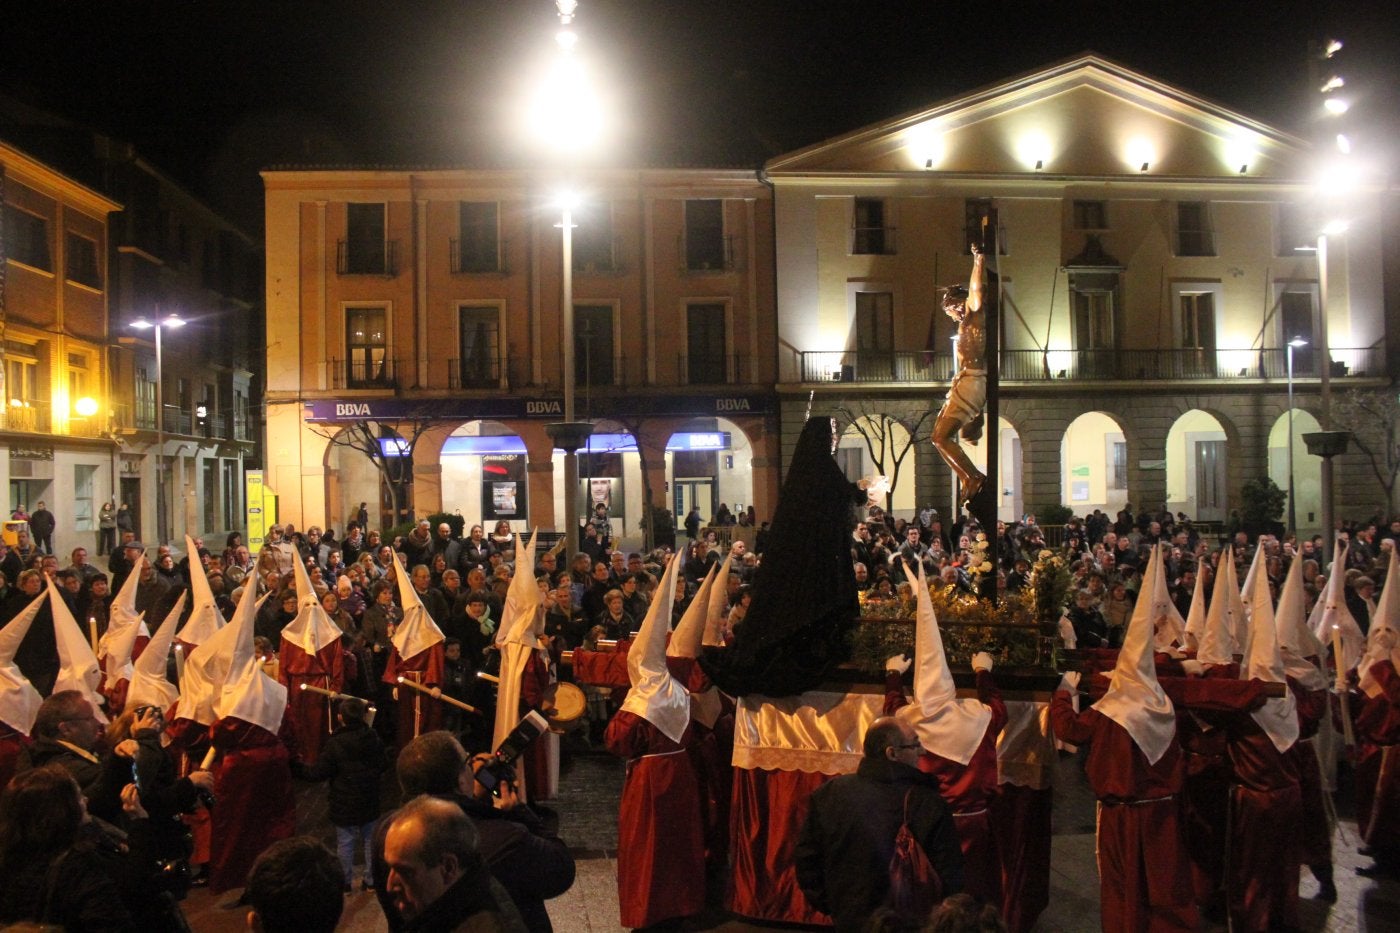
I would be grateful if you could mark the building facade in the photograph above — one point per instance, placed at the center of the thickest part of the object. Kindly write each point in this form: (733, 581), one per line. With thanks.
(162, 251)
(53, 346)
(1157, 255)
(414, 351)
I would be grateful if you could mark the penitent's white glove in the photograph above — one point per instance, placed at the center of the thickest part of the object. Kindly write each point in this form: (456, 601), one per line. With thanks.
(982, 661)
(1194, 668)
(1070, 681)
(899, 664)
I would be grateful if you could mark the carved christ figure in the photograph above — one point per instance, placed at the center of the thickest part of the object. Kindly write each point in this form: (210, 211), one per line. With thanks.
(961, 414)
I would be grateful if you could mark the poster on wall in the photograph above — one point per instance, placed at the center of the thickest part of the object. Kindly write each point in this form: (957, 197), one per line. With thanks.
(504, 492)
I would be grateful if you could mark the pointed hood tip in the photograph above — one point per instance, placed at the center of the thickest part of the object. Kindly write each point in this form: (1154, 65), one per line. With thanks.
(951, 727)
(1135, 700)
(656, 696)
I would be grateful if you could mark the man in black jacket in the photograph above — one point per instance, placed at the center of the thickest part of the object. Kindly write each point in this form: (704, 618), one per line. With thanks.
(843, 854)
(435, 875)
(528, 859)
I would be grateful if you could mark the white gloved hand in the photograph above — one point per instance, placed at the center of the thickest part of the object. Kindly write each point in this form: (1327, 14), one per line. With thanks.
(899, 664)
(982, 661)
(1070, 681)
(1176, 654)
(1193, 667)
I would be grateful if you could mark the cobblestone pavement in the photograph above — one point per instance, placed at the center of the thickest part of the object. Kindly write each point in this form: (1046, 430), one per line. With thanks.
(590, 785)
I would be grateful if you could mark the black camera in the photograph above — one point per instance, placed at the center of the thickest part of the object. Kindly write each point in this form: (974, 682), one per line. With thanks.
(500, 770)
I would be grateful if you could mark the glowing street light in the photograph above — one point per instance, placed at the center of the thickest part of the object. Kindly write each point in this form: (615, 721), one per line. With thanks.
(170, 321)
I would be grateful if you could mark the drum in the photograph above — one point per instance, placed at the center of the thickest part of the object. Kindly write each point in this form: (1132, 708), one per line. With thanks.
(569, 707)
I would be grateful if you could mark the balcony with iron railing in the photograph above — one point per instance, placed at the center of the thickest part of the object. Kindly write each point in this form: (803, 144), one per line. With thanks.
(479, 373)
(713, 369)
(708, 258)
(873, 241)
(477, 261)
(876, 367)
(362, 374)
(367, 259)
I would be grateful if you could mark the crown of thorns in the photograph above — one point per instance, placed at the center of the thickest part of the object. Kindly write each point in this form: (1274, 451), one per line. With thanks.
(956, 292)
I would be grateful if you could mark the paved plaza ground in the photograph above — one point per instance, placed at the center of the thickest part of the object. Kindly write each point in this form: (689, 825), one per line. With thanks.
(591, 784)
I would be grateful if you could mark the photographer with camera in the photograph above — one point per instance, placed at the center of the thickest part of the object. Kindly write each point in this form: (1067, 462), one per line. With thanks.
(160, 840)
(524, 854)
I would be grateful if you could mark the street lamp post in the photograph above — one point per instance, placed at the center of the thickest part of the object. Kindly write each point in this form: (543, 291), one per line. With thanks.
(1293, 344)
(569, 435)
(567, 119)
(169, 321)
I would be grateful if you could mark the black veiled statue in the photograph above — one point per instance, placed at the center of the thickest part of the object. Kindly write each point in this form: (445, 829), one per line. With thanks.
(804, 606)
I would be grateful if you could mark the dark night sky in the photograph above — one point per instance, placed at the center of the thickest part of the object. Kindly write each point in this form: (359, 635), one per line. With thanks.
(212, 91)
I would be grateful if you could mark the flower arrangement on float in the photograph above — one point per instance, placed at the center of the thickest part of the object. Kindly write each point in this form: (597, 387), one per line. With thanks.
(1019, 630)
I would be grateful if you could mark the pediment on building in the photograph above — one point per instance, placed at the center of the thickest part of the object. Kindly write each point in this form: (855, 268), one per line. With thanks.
(1085, 117)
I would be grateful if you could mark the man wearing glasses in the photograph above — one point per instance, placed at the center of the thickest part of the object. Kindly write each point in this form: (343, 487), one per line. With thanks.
(843, 854)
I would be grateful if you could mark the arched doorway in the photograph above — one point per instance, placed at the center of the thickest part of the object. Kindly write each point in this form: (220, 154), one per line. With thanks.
(1094, 464)
(1010, 505)
(709, 461)
(1196, 467)
(881, 444)
(368, 462)
(483, 475)
(1307, 469)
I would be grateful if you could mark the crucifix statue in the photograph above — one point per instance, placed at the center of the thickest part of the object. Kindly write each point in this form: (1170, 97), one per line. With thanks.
(961, 414)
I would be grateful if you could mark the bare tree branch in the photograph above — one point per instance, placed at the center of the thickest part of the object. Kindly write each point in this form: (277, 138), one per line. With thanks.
(1373, 418)
(876, 427)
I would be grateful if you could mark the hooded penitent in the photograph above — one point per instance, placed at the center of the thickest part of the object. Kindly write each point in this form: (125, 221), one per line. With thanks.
(1331, 620)
(77, 665)
(1221, 642)
(717, 613)
(149, 685)
(207, 667)
(311, 656)
(417, 632)
(1383, 638)
(1296, 642)
(312, 630)
(1196, 615)
(1169, 627)
(1278, 717)
(656, 696)
(248, 693)
(205, 618)
(1256, 567)
(517, 636)
(1135, 700)
(124, 626)
(685, 643)
(947, 726)
(19, 701)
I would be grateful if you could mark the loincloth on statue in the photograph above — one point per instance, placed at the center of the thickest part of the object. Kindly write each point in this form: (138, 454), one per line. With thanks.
(967, 396)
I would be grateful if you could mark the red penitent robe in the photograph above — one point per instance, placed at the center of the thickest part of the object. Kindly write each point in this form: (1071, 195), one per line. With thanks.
(1021, 814)
(1263, 859)
(1315, 832)
(535, 682)
(968, 790)
(417, 712)
(712, 754)
(11, 744)
(309, 713)
(256, 804)
(1144, 875)
(1378, 761)
(660, 840)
